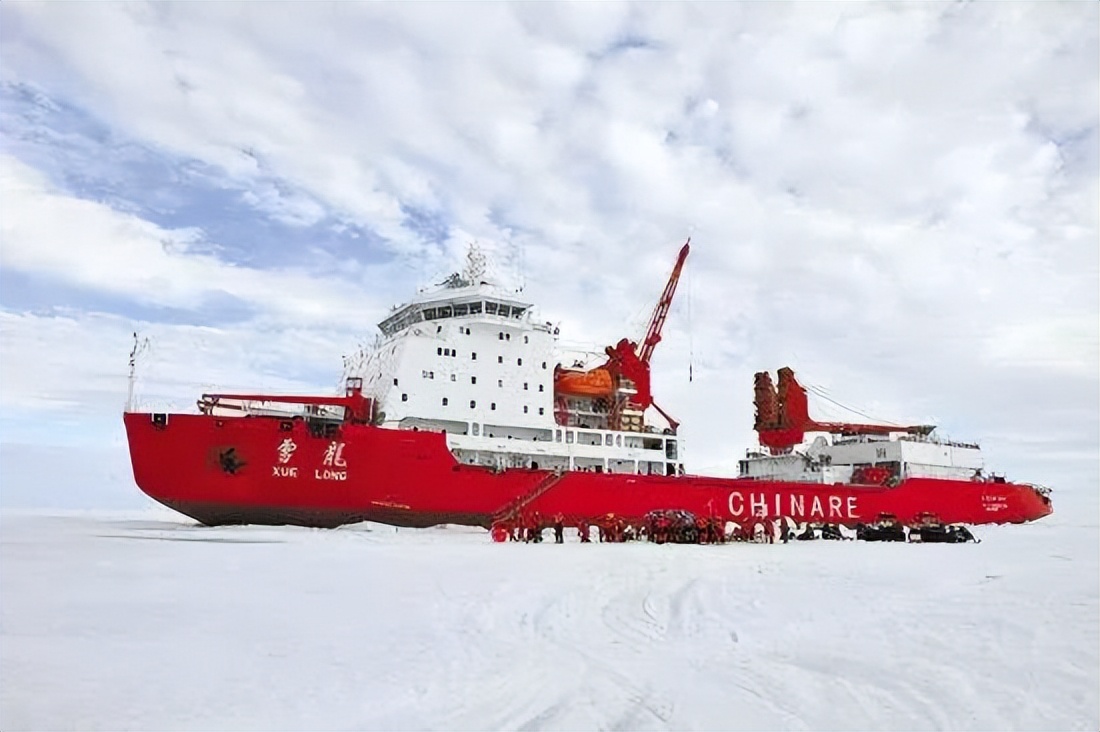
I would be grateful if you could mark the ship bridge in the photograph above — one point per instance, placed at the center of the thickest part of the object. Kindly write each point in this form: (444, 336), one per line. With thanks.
(464, 300)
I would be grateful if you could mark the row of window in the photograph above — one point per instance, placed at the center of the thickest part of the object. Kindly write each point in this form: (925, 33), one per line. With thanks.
(473, 380)
(473, 356)
(473, 308)
(473, 404)
(504, 336)
(414, 314)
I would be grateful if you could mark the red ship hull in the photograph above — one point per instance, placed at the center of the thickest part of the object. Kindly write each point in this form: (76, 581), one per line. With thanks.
(266, 470)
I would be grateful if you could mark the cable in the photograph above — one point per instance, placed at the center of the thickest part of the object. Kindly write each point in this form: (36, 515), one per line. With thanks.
(819, 392)
(691, 334)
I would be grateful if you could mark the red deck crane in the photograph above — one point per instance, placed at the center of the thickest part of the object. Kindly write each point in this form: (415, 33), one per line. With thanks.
(783, 416)
(631, 360)
(628, 360)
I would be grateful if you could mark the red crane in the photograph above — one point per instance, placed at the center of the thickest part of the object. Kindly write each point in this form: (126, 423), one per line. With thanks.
(626, 360)
(631, 360)
(783, 416)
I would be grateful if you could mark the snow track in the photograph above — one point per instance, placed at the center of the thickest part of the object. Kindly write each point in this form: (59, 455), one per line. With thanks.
(131, 623)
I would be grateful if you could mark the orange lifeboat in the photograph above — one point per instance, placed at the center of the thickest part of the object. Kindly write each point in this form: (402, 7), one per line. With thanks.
(595, 383)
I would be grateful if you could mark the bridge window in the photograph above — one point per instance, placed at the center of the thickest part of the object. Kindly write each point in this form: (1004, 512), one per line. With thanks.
(460, 310)
(491, 308)
(475, 308)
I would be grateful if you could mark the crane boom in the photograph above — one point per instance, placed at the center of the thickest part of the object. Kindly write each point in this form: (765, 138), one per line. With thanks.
(660, 312)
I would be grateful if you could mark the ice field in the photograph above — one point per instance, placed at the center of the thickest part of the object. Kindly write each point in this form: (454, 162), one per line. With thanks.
(145, 621)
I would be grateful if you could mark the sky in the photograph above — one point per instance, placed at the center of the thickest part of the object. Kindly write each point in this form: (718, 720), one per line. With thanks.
(899, 201)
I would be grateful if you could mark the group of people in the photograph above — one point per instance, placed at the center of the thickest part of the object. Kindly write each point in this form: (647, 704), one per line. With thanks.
(683, 527)
(661, 527)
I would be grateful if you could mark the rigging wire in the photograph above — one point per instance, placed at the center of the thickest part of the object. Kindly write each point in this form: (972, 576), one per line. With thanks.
(691, 335)
(821, 393)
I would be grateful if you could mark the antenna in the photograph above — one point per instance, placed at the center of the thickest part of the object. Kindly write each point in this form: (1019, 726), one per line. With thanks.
(475, 264)
(140, 344)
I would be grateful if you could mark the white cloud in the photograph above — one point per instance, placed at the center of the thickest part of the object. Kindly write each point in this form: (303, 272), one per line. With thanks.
(58, 237)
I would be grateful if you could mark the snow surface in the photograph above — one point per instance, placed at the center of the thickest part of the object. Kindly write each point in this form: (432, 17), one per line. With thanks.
(146, 622)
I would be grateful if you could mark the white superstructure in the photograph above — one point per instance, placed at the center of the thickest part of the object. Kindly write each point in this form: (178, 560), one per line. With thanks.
(470, 359)
(839, 459)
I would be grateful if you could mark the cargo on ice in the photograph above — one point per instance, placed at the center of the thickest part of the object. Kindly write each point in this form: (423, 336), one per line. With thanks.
(464, 413)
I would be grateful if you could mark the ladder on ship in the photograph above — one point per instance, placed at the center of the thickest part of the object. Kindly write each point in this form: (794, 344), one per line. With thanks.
(513, 509)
